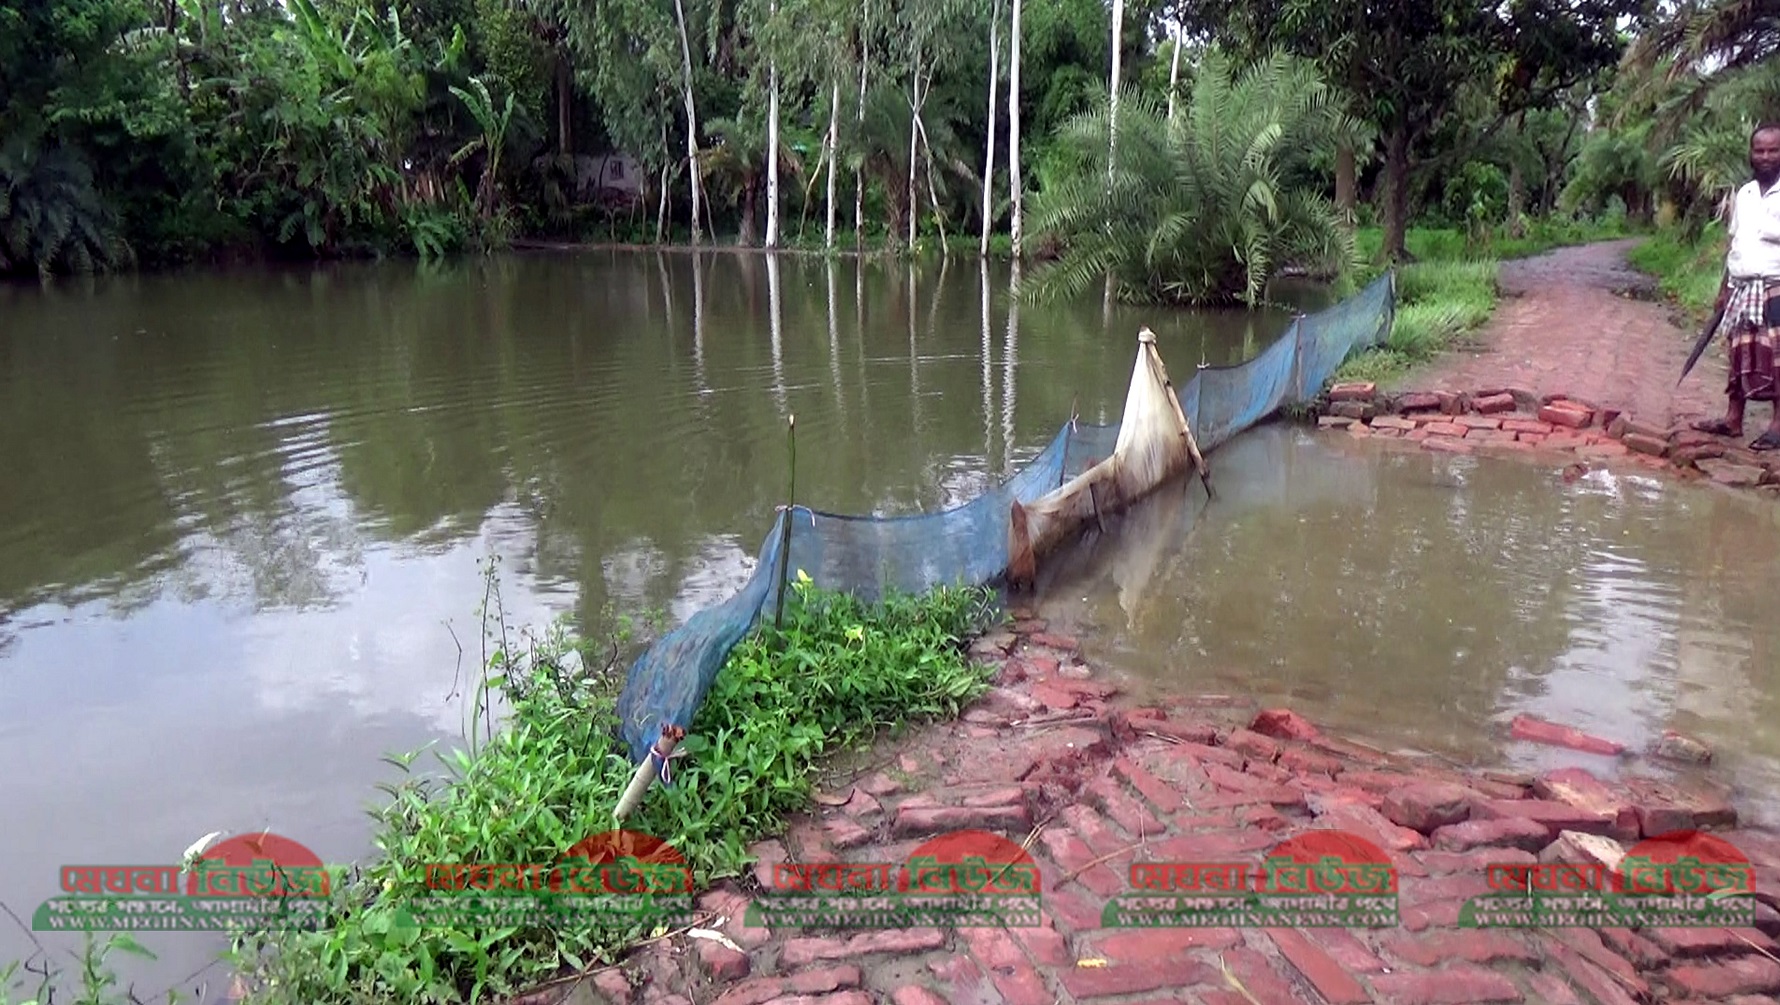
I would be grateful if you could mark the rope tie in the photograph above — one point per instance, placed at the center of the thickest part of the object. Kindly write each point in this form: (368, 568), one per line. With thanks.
(663, 762)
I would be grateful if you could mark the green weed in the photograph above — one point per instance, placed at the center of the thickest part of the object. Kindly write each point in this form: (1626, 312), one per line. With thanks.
(1687, 272)
(837, 673)
(1438, 303)
(97, 983)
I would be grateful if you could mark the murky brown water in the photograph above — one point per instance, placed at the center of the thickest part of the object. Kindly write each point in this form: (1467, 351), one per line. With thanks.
(243, 513)
(1425, 599)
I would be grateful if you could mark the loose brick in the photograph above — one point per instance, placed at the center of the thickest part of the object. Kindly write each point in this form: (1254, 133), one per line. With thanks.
(720, 962)
(820, 980)
(1303, 761)
(1440, 863)
(1426, 806)
(1651, 445)
(1636, 949)
(1252, 745)
(1419, 401)
(1330, 979)
(1106, 982)
(1110, 798)
(1477, 422)
(1710, 941)
(1475, 946)
(1527, 727)
(1493, 404)
(844, 834)
(1567, 416)
(1452, 429)
(1748, 975)
(1578, 945)
(1456, 985)
(1509, 832)
(1353, 391)
(915, 994)
(1392, 424)
(1163, 798)
(1665, 807)
(1153, 945)
(840, 998)
(1061, 643)
(912, 821)
(1528, 426)
(1191, 732)
(1369, 823)
(1235, 782)
(1578, 788)
(802, 951)
(1203, 754)
(1555, 816)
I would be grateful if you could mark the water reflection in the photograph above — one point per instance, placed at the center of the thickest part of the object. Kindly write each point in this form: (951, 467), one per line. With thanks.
(245, 532)
(1427, 599)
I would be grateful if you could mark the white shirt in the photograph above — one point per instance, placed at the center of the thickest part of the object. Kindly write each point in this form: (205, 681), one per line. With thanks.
(1755, 233)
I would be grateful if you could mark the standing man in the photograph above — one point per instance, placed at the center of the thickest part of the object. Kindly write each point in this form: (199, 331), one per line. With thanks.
(1750, 293)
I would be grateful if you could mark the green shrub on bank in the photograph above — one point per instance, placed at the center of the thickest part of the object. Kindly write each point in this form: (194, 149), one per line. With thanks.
(1687, 273)
(1437, 304)
(834, 674)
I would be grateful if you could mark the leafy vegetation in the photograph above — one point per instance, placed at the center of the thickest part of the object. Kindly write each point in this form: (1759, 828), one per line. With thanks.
(837, 673)
(1196, 208)
(1438, 302)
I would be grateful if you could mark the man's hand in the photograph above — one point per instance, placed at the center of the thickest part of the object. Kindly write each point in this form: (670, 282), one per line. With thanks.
(1724, 296)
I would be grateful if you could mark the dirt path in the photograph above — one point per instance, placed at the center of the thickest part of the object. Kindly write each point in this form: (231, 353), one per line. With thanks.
(1567, 324)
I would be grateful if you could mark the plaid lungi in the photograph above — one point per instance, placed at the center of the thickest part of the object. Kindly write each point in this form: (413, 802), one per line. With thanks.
(1753, 375)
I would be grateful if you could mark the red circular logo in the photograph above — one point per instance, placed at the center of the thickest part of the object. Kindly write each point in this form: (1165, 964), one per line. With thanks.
(969, 862)
(258, 864)
(625, 862)
(1682, 863)
(1327, 862)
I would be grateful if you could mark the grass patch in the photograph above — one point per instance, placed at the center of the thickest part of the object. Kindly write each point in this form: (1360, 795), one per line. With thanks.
(838, 673)
(1687, 272)
(1449, 244)
(1437, 304)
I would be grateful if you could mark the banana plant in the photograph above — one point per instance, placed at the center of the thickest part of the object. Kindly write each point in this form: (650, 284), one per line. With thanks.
(492, 141)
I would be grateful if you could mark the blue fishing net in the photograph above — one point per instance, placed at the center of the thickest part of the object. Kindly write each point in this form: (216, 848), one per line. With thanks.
(967, 545)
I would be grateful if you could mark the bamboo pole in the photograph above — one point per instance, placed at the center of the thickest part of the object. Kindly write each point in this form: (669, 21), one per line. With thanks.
(785, 532)
(644, 776)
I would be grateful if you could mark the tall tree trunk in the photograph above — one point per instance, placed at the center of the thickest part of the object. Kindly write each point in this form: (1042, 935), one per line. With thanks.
(565, 104)
(1013, 127)
(691, 116)
(1396, 191)
(1517, 198)
(1112, 122)
(772, 144)
(914, 150)
(750, 205)
(989, 154)
(859, 172)
(1174, 66)
(834, 135)
(1347, 180)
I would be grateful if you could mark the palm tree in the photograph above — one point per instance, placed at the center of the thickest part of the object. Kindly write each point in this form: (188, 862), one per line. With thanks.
(1197, 211)
(51, 216)
(736, 165)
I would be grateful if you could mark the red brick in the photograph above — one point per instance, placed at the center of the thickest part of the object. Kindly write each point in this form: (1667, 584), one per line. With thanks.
(1527, 727)
(1353, 391)
(1452, 429)
(1283, 724)
(1012, 974)
(1151, 945)
(1262, 981)
(959, 971)
(1425, 806)
(1163, 798)
(1457, 985)
(1493, 404)
(1072, 854)
(1334, 983)
(1091, 827)
(1079, 911)
(1045, 943)
(1664, 807)
(1645, 444)
(1511, 832)
(911, 821)
(1052, 696)
(1061, 643)
(1441, 914)
(1308, 762)
(844, 834)
(721, 962)
(1580, 944)
(1533, 426)
(1128, 813)
(1474, 946)
(1570, 417)
(1555, 816)
(1252, 745)
(1228, 846)
(995, 795)
(820, 980)
(1601, 451)
(1106, 982)
(1578, 788)
(1346, 949)
(1710, 941)
(1460, 886)
(1191, 732)
(801, 951)
(1268, 771)
(1439, 863)
(1636, 949)
(1549, 987)
(1264, 818)
(1370, 824)
(1203, 755)
(1377, 781)
(1392, 424)
(1419, 401)
(914, 994)
(1235, 782)
(1717, 981)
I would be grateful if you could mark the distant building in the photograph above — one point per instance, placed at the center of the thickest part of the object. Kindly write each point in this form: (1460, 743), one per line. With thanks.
(610, 174)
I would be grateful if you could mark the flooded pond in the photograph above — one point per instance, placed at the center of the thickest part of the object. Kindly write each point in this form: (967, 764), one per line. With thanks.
(1424, 599)
(242, 528)
(242, 533)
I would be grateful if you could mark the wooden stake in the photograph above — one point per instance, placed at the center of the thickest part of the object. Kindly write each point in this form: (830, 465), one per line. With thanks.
(1161, 373)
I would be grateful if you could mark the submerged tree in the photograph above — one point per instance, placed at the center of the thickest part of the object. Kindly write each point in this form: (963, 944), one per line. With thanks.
(1197, 210)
